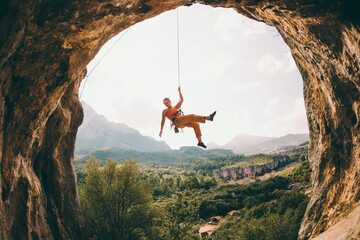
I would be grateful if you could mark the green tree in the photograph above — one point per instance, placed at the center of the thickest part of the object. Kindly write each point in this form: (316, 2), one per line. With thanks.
(115, 202)
(177, 221)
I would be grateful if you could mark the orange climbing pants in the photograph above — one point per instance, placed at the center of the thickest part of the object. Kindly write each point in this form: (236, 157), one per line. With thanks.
(191, 121)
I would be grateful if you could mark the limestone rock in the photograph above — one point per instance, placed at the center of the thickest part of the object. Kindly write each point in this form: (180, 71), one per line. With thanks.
(252, 171)
(46, 45)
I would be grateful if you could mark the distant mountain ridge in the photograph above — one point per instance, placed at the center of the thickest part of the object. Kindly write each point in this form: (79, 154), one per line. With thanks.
(248, 144)
(97, 132)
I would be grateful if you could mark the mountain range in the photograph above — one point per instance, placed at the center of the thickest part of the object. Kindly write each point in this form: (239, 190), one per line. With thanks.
(248, 144)
(97, 132)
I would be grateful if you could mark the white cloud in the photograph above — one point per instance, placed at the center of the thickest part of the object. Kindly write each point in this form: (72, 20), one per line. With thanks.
(231, 26)
(293, 121)
(271, 107)
(274, 100)
(291, 65)
(245, 86)
(270, 64)
(215, 68)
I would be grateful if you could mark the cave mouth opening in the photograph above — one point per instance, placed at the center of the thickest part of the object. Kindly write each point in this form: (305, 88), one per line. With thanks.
(243, 64)
(46, 47)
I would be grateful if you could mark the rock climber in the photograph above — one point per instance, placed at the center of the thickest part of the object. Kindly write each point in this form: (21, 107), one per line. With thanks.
(181, 121)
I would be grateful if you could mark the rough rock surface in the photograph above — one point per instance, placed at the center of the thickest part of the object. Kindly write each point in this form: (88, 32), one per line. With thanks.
(345, 229)
(45, 46)
(252, 171)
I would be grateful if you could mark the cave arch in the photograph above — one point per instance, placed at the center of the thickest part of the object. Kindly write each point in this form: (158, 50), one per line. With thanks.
(46, 45)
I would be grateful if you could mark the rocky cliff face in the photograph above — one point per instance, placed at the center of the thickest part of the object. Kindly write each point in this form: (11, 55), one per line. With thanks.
(46, 45)
(252, 171)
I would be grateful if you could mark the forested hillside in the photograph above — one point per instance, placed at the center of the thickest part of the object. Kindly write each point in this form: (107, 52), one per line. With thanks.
(173, 195)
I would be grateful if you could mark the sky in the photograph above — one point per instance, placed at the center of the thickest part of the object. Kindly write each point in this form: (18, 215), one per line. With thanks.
(229, 63)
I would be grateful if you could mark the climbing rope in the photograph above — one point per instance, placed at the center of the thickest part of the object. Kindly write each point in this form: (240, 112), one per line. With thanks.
(92, 70)
(178, 62)
(178, 44)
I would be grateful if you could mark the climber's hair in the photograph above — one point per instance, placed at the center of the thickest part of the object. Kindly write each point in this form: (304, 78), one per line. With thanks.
(166, 99)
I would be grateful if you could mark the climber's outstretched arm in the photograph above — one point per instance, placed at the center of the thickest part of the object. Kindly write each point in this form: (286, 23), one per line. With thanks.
(178, 105)
(162, 122)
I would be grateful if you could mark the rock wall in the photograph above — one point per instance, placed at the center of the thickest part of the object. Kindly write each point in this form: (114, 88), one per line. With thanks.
(45, 46)
(252, 171)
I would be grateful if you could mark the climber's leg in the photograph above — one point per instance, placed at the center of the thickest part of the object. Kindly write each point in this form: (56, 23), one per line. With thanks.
(191, 118)
(197, 130)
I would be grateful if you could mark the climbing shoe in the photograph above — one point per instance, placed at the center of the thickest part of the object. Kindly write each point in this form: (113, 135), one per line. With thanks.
(212, 116)
(200, 144)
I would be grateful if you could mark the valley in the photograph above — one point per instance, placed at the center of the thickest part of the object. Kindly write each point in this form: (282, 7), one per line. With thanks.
(191, 177)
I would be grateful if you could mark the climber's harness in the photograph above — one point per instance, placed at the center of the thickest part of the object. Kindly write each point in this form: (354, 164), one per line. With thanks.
(175, 121)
